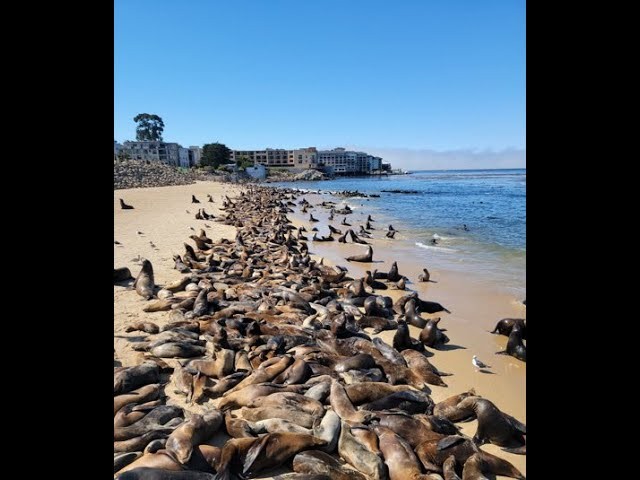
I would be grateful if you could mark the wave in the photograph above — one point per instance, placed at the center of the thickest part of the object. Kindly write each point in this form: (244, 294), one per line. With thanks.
(434, 247)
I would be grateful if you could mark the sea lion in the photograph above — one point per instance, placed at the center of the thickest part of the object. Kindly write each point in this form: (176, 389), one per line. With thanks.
(408, 401)
(144, 283)
(121, 274)
(154, 420)
(194, 431)
(124, 206)
(481, 463)
(122, 460)
(365, 257)
(145, 473)
(233, 456)
(194, 199)
(298, 372)
(245, 395)
(402, 339)
(425, 276)
(421, 368)
(401, 284)
(316, 462)
(179, 285)
(141, 326)
(134, 377)
(178, 349)
(410, 427)
(273, 449)
(266, 372)
(237, 427)
(359, 376)
(290, 400)
(399, 457)
(390, 233)
(449, 408)
(137, 444)
(320, 391)
(264, 413)
(357, 362)
(140, 395)
(328, 430)
(504, 326)
(431, 335)
(342, 405)
(359, 457)
(495, 426)
(127, 415)
(515, 346)
(275, 425)
(242, 362)
(360, 393)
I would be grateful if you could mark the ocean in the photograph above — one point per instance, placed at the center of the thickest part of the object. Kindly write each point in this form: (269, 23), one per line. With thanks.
(490, 203)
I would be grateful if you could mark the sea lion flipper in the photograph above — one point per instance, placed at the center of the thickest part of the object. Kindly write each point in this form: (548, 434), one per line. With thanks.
(450, 441)
(502, 352)
(517, 450)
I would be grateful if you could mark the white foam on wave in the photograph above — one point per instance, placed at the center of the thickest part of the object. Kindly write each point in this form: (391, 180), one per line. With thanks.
(433, 247)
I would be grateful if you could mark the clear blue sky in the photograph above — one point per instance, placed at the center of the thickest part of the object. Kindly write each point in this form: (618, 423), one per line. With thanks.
(441, 75)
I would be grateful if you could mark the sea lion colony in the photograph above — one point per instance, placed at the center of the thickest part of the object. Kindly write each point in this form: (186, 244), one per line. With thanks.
(272, 344)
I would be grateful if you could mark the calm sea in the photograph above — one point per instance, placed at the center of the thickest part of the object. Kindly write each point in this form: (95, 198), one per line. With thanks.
(491, 203)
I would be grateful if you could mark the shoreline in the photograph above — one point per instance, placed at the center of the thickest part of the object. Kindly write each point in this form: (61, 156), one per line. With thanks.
(160, 215)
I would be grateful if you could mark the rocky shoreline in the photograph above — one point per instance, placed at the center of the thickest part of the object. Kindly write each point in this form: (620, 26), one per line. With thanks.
(142, 174)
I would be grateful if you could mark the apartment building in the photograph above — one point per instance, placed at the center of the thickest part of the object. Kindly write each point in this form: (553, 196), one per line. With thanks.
(347, 162)
(153, 151)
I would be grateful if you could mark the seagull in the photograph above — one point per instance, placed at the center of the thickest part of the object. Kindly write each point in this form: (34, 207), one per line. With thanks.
(478, 364)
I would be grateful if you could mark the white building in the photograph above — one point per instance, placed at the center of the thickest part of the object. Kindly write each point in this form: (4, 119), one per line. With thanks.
(183, 157)
(153, 151)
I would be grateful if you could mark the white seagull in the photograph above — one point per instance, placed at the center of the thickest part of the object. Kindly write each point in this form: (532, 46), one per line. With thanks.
(479, 364)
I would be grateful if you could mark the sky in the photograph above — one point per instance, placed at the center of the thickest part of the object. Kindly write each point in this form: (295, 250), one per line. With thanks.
(424, 83)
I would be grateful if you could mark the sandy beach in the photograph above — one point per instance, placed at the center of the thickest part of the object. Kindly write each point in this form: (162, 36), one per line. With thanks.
(163, 219)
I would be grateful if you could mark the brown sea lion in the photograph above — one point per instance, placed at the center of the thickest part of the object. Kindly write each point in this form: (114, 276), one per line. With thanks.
(504, 326)
(144, 473)
(242, 361)
(357, 362)
(273, 449)
(154, 420)
(134, 377)
(276, 425)
(420, 366)
(179, 285)
(178, 349)
(342, 405)
(289, 400)
(316, 462)
(360, 393)
(147, 327)
(450, 410)
(515, 346)
(194, 431)
(126, 416)
(494, 426)
(266, 372)
(410, 428)
(328, 430)
(319, 391)
(140, 395)
(144, 283)
(431, 335)
(365, 257)
(237, 427)
(137, 444)
(298, 372)
(425, 276)
(359, 457)
(449, 469)
(124, 206)
(264, 413)
(245, 395)
(121, 274)
(408, 401)
(481, 463)
(123, 459)
(402, 339)
(233, 456)
(399, 457)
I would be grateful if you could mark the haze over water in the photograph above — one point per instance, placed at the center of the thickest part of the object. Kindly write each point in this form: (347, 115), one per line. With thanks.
(492, 204)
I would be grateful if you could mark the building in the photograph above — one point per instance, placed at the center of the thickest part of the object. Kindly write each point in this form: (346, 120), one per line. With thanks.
(153, 151)
(278, 157)
(117, 148)
(183, 157)
(346, 162)
(195, 153)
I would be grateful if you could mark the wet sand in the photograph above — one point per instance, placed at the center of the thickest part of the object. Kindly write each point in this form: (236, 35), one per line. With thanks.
(476, 304)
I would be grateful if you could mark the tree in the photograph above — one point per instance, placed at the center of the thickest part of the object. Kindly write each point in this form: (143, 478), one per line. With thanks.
(215, 154)
(150, 127)
(243, 162)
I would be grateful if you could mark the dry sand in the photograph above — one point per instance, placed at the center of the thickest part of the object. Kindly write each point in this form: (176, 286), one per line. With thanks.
(476, 304)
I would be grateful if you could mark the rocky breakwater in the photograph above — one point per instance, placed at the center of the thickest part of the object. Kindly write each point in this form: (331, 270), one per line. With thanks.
(306, 175)
(139, 174)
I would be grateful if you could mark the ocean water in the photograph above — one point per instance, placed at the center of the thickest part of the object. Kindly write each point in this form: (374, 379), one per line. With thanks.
(491, 203)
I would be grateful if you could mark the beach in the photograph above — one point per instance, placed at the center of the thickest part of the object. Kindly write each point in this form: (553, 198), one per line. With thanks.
(163, 219)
